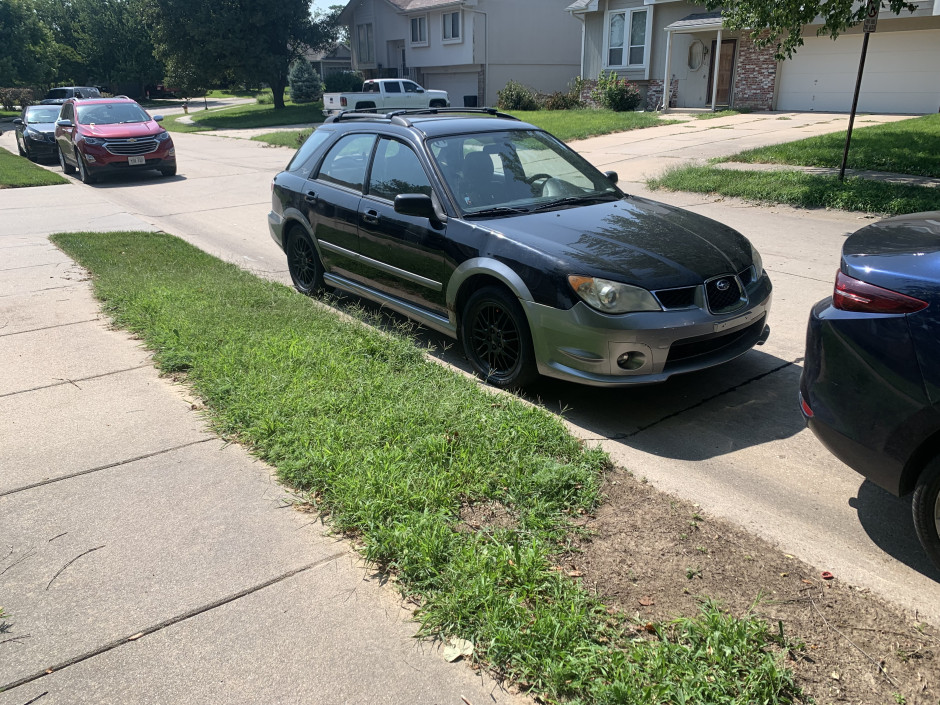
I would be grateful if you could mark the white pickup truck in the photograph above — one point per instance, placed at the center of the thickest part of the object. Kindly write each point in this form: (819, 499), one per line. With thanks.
(385, 94)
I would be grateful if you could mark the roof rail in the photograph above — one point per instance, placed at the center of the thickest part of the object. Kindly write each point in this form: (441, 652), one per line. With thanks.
(400, 117)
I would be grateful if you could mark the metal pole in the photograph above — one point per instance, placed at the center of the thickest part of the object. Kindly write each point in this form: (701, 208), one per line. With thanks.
(858, 85)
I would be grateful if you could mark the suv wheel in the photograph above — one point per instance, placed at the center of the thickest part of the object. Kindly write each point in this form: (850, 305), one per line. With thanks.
(496, 339)
(303, 262)
(926, 507)
(66, 167)
(83, 172)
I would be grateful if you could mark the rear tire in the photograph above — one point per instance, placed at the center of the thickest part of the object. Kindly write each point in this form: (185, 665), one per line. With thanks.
(437, 104)
(496, 339)
(303, 262)
(926, 509)
(66, 167)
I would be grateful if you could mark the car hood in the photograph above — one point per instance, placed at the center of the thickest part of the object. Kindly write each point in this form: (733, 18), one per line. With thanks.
(40, 126)
(901, 254)
(632, 240)
(122, 130)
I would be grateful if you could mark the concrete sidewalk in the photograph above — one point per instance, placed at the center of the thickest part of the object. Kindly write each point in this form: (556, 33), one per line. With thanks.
(143, 560)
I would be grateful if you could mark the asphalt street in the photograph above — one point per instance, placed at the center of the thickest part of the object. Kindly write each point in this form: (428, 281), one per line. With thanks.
(732, 438)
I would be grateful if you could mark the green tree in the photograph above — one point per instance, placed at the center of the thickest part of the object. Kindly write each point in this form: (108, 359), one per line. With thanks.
(249, 40)
(780, 22)
(305, 83)
(27, 50)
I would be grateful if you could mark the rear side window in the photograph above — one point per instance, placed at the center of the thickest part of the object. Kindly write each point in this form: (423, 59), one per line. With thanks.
(345, 163)
(370, 88)
(302, 161)
(393, 87)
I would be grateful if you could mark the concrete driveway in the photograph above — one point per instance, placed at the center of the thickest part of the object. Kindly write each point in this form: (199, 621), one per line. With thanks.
(730, 439)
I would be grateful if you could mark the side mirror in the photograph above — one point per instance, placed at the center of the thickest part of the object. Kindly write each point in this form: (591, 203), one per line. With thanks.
(611, 176)
(17, 121)
(63, 123)
(415, 204)
(158, 118)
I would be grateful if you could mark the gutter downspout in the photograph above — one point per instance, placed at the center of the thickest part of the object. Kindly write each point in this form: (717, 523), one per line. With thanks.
(486, 53)
(715, 70)
(667, 84)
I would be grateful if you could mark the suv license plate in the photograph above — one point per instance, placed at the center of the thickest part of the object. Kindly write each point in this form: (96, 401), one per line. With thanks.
(136, 161)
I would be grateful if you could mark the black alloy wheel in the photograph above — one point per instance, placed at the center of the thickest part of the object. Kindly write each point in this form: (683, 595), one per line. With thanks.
(496, 339)
(926, 509)
(303, 262)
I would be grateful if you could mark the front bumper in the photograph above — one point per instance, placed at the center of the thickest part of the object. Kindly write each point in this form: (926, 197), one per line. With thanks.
(583, 345)
(41, 147)
(99, 159)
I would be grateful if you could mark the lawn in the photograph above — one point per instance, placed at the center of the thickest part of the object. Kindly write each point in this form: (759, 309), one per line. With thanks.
(904, 147)
(804, 190)
(397, 451)
(246, 116)
(566, 125)
(17, 172)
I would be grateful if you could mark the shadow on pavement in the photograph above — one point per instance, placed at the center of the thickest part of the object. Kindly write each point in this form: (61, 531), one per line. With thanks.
(890, 525)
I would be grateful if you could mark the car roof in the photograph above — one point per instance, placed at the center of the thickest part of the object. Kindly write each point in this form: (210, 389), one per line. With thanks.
(99, 101)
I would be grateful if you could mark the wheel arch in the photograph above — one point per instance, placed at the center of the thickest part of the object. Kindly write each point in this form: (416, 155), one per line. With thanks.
(476, 273)
(293, 220)
(920, 458)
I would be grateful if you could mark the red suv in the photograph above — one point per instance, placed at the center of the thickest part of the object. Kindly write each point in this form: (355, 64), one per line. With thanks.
(111, 134)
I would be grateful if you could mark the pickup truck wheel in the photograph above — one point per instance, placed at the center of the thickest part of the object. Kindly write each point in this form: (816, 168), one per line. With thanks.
(369, 105)
(438, 104)
(926, 508)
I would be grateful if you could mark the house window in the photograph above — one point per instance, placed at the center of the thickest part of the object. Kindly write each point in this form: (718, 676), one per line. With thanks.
(419, 31)
(626, 38)
(451, 26)
(364, 43)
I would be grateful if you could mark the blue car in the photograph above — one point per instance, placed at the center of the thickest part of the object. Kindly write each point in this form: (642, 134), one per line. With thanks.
(870, 388)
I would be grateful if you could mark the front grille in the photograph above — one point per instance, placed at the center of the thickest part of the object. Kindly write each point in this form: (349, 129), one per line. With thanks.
(683, 297)
(132, 146)
(707, 345)
(724, 294)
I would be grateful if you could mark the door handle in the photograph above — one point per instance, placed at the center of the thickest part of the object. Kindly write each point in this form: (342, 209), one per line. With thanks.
(371, 217)
(311, 198)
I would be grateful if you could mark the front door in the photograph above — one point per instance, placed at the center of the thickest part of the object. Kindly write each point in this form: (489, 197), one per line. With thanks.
(725, 72)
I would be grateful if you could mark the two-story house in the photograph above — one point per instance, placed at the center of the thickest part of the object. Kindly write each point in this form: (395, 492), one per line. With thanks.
(469, 48)
(646, 40)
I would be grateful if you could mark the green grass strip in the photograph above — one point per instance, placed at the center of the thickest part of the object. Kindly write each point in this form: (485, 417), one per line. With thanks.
(284, 138)
(240, 117)
(18, 172)
(903, 147)
(392, 446)
(803, 190)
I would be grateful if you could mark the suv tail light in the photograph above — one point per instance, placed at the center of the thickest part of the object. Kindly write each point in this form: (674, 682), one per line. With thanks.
(342, 101)
(855, 295)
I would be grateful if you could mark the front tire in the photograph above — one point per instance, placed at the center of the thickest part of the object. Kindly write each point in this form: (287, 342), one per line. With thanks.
(926, 509)
(303, 262)
(84, 173)
(66, 167)
(168, 170)
(496, 339)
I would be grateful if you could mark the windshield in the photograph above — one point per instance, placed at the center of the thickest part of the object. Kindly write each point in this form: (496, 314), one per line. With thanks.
(516, 171)
(42, 113)
(111, 113)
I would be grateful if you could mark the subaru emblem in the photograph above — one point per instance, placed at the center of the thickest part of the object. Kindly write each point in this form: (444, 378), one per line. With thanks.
(723, 285)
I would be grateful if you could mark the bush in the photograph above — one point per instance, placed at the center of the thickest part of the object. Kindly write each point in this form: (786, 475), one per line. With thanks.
(305, 83)
(343, 82)
(616, 93)
(560, 101)
(13, 98)
(515, 96)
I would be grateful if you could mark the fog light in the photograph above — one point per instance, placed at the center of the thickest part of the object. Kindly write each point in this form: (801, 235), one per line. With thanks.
(89, 157)
(631, 361)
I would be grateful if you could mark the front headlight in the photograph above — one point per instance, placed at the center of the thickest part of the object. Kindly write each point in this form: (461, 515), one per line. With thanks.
(758, 263)
(612, 297)
(163, 136)
(93, 140)
(33, 134)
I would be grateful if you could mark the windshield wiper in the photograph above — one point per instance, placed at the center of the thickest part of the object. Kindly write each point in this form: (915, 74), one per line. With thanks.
(577, 200)
(497, 210)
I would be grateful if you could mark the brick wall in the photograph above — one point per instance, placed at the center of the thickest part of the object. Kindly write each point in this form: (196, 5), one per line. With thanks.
(654, 93)
(755, 74)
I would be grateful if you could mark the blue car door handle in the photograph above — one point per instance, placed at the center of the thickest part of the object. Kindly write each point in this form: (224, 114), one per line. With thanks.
(371, 217)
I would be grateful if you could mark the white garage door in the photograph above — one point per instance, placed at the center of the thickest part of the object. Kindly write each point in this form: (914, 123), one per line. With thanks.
(902, 74)
(457, 85)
